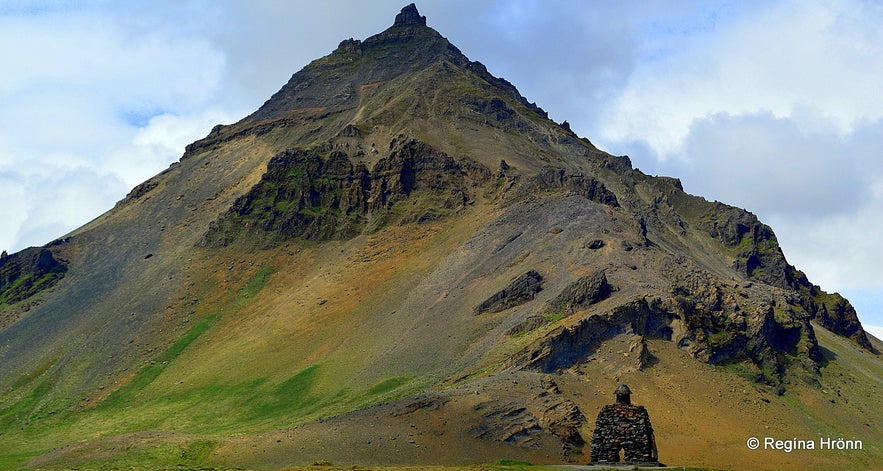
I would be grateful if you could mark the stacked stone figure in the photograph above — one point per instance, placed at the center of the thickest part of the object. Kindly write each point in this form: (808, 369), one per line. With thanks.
(626, 427)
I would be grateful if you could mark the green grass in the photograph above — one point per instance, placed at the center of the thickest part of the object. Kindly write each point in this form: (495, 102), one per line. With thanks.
(718, 339)
(198, 451)
(295, 394)
(159, 455)
(554, 316)
(149, 373)
(256, 283)
(387, 385)
(33, 421)
(28, 408)
(742, 369)
(512, 463)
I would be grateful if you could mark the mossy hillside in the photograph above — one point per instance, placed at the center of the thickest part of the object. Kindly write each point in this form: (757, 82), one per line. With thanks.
(301, 195)
(159, 397)
(27, 286)
(26, 273)
(713, 232)
(322, 195)
(32, 407)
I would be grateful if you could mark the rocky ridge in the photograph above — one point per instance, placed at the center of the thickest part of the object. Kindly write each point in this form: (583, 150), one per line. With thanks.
(305, 194)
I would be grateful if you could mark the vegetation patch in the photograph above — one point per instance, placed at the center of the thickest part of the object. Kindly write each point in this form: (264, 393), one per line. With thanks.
(294, 395)
(149, 373)
(388, 385)
(29, 408)
(742, 369)
(198, 451)
(554, 316)
(165, 453)
(512, 463)
(718, 339)
(256, 283)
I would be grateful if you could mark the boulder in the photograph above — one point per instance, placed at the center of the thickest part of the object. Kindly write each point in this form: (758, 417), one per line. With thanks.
(520, 291)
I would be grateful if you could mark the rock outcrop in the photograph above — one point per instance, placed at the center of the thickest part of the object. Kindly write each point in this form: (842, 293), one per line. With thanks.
(409, 16)
(322, 194)
(520, 291)
(582, 293)
(757, 256)
(28, 272)
(559, 415)
(551, 179)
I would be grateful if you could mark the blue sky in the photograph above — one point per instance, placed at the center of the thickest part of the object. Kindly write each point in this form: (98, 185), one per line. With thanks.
(774, 106)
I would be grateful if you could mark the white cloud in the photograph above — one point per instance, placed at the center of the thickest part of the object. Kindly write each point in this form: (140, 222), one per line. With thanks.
(772, 166)
(88, 100)
(160, 142)
(61, 201)
(776, 58)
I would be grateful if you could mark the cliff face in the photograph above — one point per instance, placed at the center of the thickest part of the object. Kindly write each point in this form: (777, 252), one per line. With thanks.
(24, 274)
(397, 237)
(307, 195)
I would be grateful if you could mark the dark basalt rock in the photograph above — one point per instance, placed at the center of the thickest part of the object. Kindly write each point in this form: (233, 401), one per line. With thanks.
(409, 16)
(321, 195)
(141, 190)
(583, 292)
(24, 274)
(564, 346)
(557, 179)
(520, 291)
(559, 415)
(758, 257)
(709, 321)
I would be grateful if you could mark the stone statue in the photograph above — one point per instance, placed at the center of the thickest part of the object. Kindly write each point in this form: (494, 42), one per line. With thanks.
(623, 426)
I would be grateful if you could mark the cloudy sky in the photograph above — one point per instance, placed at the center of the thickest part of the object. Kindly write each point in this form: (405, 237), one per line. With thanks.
(774, 106)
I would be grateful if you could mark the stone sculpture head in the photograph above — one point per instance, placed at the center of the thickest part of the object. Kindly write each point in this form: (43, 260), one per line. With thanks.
(623, 394)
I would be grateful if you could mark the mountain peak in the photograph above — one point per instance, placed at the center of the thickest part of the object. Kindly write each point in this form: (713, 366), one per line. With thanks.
(409, 16)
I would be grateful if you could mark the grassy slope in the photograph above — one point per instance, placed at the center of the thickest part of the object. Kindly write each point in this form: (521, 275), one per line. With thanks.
(248, 363)
(702, 416)
(294, 359)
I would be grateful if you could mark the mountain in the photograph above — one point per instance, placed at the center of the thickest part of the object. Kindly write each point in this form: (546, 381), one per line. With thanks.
(398, 259)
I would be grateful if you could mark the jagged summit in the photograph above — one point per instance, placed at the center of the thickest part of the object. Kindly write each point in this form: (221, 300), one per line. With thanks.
(407, 62)
(334, 81)
(409, 16)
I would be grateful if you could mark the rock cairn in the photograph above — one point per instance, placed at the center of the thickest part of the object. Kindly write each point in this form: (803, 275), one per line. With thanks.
(626, 427)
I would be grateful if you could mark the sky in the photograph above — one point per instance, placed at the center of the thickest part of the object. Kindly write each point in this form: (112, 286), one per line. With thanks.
(772, 106)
